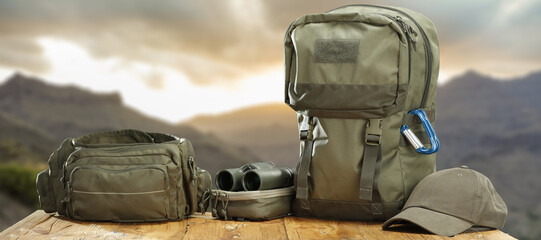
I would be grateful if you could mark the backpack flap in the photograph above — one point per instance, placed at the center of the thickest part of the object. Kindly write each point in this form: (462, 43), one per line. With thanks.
(352, 65)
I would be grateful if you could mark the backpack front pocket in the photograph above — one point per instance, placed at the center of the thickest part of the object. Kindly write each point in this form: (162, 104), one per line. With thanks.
(348, 66)
(116, 192)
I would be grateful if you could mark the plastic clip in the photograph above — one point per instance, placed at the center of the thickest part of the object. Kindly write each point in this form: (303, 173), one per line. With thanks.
(373, 132)
(306, 128)
(414, 140)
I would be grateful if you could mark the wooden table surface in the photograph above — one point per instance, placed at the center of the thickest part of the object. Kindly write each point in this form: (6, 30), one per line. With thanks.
(40, 225)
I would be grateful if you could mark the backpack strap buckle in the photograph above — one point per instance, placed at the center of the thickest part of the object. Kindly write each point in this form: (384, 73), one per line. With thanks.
(373, 132)
(306, 128)
(414, 140)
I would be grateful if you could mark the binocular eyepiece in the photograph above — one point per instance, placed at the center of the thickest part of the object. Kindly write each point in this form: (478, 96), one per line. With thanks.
(254, 176)
(264, 179)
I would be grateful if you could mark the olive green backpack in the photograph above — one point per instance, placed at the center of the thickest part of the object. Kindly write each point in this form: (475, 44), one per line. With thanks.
(361, 78)
(124, 176)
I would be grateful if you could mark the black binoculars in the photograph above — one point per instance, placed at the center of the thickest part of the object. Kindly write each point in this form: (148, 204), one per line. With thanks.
(254, 176)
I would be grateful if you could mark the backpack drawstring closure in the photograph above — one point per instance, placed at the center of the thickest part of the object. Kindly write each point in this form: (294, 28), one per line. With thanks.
(224, 199)
(204, 199)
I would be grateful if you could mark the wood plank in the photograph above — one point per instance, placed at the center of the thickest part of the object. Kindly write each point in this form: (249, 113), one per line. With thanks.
(25, 225)
(207, 228)
(307, 228)
(412, 232)
(40, 225)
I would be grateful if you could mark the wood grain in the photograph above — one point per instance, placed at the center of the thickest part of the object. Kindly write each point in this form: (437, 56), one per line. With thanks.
(40, 225)
(199, 228)
(305, 228)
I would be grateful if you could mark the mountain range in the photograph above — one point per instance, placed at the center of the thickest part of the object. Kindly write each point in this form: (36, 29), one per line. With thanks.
(491, 125)
(36, 117)
(494, 126)
(269, 130)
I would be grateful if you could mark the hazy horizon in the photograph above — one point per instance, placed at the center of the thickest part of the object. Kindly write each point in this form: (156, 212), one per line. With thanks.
(242, 107)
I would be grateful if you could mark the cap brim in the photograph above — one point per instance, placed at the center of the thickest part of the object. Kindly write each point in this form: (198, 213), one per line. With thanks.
(434, 222)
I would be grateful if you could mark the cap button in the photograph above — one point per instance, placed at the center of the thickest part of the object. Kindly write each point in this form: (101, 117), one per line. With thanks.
(464, 167)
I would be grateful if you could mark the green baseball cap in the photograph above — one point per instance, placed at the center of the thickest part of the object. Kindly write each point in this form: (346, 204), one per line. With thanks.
(451, 201)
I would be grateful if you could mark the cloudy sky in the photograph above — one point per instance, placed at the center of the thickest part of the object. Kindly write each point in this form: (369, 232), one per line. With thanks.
(211, 56)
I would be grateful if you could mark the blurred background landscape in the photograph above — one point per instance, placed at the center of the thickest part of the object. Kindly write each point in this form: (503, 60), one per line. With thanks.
(211, 71)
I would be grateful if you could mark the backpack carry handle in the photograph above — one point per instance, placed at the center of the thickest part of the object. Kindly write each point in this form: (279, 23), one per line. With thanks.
(414, 140)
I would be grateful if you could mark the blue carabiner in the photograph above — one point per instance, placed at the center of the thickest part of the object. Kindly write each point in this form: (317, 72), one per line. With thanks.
(412, 138)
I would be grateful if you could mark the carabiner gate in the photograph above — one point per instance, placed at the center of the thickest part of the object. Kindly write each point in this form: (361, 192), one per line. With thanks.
(414, 140)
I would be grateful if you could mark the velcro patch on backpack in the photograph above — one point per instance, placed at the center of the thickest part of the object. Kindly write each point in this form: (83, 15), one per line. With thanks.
(336, 50)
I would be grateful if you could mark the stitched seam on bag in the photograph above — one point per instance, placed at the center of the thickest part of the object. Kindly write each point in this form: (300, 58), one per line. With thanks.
(117, 193)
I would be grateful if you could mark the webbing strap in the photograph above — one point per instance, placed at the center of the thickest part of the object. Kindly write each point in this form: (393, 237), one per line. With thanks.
(302, 180)
(305, 160)
(377, 203)
(370, 157)
(368, 172)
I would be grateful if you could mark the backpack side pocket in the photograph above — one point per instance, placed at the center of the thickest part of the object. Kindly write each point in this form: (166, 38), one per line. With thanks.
(45, 192)
(203, 190)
